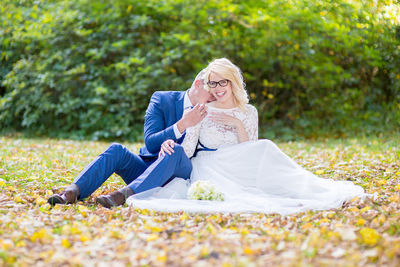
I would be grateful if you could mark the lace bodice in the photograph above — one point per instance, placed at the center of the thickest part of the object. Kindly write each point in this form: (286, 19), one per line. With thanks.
(215, 135)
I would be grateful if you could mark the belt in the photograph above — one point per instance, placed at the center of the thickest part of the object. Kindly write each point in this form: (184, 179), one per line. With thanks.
(202, 148)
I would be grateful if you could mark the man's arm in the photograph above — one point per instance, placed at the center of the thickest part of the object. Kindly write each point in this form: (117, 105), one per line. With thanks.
(155, 132)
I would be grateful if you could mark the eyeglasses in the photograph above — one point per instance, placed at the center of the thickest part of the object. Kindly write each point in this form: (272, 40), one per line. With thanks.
(222, 83)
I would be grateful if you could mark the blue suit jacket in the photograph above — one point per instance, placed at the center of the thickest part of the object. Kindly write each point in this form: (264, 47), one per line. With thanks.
(164, 110)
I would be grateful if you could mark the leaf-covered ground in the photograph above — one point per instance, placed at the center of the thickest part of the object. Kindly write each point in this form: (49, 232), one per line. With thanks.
(364, 232)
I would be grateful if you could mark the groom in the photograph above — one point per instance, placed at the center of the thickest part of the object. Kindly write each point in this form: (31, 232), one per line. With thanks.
(165, 119)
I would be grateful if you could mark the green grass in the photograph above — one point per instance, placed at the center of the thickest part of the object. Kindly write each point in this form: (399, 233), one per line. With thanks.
(362, 233)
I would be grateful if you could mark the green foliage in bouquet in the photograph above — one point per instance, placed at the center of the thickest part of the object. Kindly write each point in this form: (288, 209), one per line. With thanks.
(88, 68)
(204, 190)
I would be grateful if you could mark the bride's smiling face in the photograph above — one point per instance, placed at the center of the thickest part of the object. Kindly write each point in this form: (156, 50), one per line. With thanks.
(223, 88)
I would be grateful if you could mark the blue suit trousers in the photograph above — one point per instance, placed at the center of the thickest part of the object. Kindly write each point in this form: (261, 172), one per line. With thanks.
(140, 174)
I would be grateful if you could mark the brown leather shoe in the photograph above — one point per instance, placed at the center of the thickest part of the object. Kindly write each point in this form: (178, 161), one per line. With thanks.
(112, 200)
(115, 199)
(68, 196)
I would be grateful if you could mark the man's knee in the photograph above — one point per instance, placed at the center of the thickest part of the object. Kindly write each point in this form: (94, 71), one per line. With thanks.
(116, 148)
(178, 151)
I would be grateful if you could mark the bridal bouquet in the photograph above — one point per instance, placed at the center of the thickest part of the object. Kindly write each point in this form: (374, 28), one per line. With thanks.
(204, 190)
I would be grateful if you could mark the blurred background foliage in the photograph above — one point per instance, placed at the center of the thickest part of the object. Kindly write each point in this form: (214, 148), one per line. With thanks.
(86, 69)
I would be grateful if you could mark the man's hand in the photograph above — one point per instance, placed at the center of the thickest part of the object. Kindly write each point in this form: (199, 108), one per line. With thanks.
(192, 117)
(167, 147)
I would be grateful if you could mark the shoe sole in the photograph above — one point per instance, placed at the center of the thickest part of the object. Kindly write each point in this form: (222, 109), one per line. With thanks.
(53, 200)
(103, 202)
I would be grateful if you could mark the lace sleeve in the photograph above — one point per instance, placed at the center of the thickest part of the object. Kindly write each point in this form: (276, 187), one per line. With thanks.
(251, 122)
(190, 141)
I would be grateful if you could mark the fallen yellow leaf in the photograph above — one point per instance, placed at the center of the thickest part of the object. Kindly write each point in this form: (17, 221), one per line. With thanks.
(85, 237)
(6, 244)
(365, 209)
(354, 209)
(162, 258)
(248, 251)
(153, 228)
(75, 230)
(42, 236)
(18, 199)
(204, 252)
(394, 198)
(65, 243)
(152, 237)
(83, 210)
(20, 243)
(307, 226)
(40, 201)
(360, 222)
(184, 217)
(370, 236)
(382, 182)
(324, 220)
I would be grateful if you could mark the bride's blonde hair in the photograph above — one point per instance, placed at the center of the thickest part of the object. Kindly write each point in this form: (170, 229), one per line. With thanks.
(226, 69)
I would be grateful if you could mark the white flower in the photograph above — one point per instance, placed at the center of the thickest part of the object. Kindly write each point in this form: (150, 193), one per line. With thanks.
(204, 190)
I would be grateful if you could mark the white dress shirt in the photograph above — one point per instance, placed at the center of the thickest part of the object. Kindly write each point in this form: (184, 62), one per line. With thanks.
(186, 104)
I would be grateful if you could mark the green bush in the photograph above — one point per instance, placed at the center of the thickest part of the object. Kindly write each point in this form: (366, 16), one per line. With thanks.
(88, 68)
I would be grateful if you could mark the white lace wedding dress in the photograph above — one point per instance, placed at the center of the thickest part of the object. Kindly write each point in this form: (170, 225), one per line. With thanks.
(254, 176)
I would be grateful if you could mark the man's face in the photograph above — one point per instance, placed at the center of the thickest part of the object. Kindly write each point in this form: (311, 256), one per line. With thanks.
(202, 96)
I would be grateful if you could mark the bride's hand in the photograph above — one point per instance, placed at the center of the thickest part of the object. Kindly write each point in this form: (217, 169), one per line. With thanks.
(233, 122)
(226, 119)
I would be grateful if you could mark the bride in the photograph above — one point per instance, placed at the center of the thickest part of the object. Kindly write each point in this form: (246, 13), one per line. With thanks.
(253, 175)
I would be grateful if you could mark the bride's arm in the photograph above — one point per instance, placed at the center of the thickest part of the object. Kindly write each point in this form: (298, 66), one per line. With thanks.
(248, 129)
(251, 123)
(242, 133)
(189, 144)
